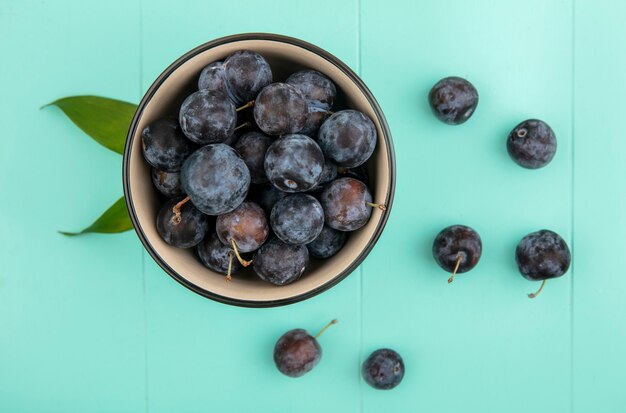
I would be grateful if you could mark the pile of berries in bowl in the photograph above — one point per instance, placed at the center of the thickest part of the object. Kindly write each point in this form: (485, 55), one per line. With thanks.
(258, 170)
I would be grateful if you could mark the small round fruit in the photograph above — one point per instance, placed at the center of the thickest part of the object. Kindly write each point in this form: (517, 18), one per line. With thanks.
(165, 146)
(532, 144)
(296, 353)
(215, 178)
(246, 225)
(184, 231)
(327, 243)
(279, 263)
(383, 369)
(208, 117)
(212, 78)
(246, 73)
(453, 100)
(346, 203)
(167, 183)
(542, 255)
(252, 147)
(320, 92)
(294, 163)
(217, 256)
(318, 89)
(348, 138)
(280, 109)
(297, 219)
(457, 249)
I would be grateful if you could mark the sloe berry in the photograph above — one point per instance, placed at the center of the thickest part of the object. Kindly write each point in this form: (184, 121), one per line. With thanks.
(182, 227)
(297, 219)
(208, 117)
(348, 137)
(280, 108)
(532, 144)
(294, 163)
(453, 100)
(167, 183)
(215, 178)
(165, 146)
(279, 263)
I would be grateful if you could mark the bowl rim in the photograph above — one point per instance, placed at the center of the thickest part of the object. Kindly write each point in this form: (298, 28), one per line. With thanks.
(132, 132)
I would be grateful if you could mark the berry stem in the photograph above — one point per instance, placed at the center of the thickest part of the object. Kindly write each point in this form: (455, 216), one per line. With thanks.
(536, 293)
(456, 268)
(176, 211)
(241, 260)
(230, 267)
(245, 106)
(382, 207)
(333, 321)
(243, 125)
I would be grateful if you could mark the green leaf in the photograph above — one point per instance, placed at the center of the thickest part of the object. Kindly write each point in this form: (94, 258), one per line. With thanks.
(105, 120)
(114, 220)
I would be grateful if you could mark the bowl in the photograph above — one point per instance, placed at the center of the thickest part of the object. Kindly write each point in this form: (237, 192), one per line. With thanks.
(285, 55)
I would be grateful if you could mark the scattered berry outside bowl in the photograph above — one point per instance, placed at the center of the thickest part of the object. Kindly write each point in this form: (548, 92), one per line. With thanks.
(166, 204)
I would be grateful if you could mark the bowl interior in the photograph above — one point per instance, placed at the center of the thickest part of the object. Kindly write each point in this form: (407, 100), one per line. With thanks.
(285, 58)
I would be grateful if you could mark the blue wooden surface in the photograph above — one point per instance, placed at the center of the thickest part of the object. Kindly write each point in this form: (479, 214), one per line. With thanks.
(92, 324)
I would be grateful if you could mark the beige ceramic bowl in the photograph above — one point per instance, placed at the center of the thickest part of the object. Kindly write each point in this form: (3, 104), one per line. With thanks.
(286, 55)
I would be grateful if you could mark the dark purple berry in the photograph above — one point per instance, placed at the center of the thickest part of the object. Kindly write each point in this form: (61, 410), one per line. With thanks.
(348, 138)
(208, 117)
(212, 78)
(347, 204)
(296, 352)
(252, 147)
(215, 178)
(167, 183)
(217, 256)
(532, 144)
(318, 89)
(327, 243)
(383, 369)
(319, 92)
(294, 163)
(279, 263)
(280, 109)
(457, 249)
(182, 227)
(246, 73)
(542, 255)
(297, 219)
(165, 146)
(453, 100)
(247, 226)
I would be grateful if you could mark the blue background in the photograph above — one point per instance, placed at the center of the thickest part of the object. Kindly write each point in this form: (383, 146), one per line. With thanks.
(92, 324)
